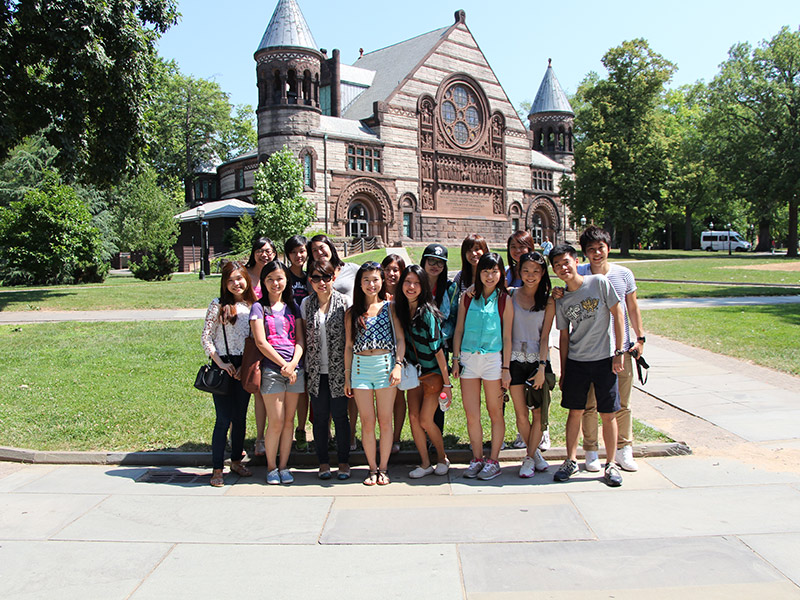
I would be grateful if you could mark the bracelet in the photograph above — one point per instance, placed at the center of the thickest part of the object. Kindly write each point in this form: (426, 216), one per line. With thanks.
(398, 363)
(542, 362)
(506, 368)
(456, 357)
(641, 339)
(447, 385)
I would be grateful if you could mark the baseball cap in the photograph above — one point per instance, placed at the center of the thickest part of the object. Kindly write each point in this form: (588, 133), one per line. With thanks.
(435, 251)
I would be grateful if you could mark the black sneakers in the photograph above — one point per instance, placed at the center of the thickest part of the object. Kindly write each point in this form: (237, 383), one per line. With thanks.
(611, 476)
(567, 469)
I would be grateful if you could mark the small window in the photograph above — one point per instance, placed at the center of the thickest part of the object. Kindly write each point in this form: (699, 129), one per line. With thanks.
(239, 179)
(514, 225)
(360, 158)
(407, 225)
(308, 171)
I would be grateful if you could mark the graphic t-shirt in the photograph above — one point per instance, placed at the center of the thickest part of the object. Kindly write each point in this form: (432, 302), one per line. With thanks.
(585, 312)
(299, 287)
(624, 283)
(280, 327)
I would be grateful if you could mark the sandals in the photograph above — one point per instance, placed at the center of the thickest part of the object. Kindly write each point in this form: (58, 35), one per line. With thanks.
(372, 479)
(383, 478)
(240, 470)
(217, 480)
(260, 449)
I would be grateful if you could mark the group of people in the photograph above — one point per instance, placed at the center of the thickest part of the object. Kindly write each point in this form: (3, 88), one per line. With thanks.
(378, 340)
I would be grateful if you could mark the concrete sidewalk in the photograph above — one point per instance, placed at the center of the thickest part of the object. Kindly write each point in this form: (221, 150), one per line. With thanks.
(723, 523)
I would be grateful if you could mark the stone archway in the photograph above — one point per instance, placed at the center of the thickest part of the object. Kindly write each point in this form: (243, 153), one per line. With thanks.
(542, 219)
(377, 206)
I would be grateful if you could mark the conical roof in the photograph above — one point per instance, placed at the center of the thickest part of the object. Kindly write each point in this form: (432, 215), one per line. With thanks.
(287, 27)
(550, 97)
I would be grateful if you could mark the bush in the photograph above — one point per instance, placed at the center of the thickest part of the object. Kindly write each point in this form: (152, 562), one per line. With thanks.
(91, 272)
(48, 237)
(157, 265)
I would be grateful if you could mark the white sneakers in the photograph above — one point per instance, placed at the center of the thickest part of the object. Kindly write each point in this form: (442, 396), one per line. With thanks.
(592, 461)
(519, 442)
(544, 445)
(442, 468)
(420, 472)
(624, 458)
(527, 469)
(539, 462)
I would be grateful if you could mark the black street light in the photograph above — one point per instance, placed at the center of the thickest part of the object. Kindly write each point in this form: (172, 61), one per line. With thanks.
(203, 239)
(729, 239)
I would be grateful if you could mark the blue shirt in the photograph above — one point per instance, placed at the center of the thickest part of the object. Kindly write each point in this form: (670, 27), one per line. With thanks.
(483, 331)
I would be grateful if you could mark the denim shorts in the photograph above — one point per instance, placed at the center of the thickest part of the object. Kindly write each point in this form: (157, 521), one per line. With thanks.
(371, 372)
(272, 382)
(482, 366)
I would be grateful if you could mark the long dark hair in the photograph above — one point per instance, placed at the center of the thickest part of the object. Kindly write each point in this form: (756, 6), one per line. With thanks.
(287, 296)
(227, 301)
(466, 268)
(259, 243)
(335, 260)
(441, 281)
(489, 261)
(524, 239)
(542, 292)
(359, 307)
(425, 302)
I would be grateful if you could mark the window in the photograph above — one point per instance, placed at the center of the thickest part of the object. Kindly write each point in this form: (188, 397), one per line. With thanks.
(239, 177)
(205, 189)
(514, 225)
(361, 158)
(461, 112)
(537, 230)
(308, 178)
(543, 180)
(407, 225)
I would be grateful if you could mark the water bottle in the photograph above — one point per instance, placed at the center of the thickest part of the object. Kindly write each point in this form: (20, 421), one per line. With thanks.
(443, 402)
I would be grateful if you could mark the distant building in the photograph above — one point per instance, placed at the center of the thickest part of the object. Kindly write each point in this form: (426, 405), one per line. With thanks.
(414, 142)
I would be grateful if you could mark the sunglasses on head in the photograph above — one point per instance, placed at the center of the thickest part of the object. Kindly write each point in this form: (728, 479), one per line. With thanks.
(317, 278)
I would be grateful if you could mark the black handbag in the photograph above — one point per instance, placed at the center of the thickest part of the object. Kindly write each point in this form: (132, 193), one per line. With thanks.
(213, 379)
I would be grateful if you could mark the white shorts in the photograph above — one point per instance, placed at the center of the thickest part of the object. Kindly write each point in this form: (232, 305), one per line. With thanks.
(482, 366)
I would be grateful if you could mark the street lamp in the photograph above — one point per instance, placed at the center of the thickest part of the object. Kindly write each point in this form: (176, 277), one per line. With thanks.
(729, 239)
(583, 221)
(200, 214)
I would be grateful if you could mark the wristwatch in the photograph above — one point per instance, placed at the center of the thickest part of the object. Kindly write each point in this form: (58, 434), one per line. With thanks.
(641, 339)
(619, 352)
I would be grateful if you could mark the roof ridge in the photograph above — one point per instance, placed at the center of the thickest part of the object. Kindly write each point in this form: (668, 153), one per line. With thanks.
(403, 41)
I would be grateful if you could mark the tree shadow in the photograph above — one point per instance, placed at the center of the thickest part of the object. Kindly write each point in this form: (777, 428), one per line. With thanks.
(31, 298)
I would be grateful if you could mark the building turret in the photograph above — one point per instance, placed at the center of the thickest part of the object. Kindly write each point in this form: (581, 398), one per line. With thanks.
(551, 120)
(288, 67)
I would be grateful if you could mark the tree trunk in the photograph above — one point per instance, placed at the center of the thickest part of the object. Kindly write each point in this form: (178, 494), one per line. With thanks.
(792, 249)
(687, 229)
(625, 241)
(764, 240)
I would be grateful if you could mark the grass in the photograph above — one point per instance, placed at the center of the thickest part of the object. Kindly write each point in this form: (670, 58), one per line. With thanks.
(768, 335)
(717, 270)
(655, 289)
(128, 386)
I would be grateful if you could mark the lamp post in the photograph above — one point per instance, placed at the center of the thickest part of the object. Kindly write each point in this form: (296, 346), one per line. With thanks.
(729, 239)
(200, 214)
(583, 221)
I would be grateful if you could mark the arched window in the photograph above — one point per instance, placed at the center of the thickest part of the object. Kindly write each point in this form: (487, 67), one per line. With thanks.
(357, 221)
(292, 81)
(308, 171)
(307, 88)
(462, 113)
(277, 87)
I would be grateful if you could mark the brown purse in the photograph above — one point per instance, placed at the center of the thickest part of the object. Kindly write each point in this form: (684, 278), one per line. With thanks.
(251, 366)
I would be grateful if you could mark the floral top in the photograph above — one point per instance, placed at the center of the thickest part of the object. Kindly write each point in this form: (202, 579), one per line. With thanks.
(333, 330)
(214, 341)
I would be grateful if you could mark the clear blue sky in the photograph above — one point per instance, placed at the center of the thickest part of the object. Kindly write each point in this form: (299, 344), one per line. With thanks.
(217, 39)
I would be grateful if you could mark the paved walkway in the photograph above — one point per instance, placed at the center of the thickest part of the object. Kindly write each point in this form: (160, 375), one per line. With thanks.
(722, 523)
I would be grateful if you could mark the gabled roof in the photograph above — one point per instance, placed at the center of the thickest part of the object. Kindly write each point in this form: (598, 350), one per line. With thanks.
(287, 27)
(218, 209)
(550, 97)
(391, 65)
(540, 161)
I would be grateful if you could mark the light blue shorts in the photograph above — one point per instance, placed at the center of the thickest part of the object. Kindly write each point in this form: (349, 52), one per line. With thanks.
(371, 372)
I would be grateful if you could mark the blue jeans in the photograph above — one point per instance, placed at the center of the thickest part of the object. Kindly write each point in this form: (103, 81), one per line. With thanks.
(231, 412)
(326, 407)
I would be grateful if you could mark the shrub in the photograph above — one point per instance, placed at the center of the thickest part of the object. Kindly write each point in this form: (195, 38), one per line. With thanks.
(156, 265)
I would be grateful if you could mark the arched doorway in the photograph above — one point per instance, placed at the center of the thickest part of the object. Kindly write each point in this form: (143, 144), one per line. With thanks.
(357, 220)
(537, 230)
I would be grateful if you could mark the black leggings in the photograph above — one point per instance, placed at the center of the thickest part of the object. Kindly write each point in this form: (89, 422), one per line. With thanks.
(231, 412)
(325, 407)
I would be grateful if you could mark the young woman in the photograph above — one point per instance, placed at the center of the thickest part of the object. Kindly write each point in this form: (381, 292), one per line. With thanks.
(534, 311)
(444, 291)
(320, 247)
(278, 333)
(481, 355)
(374, 349)
(294, 249)
(262, 252)
(226, 327)
(519, 243)
(393, 265)
(420, 320)
(324, 318)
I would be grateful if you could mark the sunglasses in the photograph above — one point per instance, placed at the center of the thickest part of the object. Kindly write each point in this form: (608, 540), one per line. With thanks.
(317, 278)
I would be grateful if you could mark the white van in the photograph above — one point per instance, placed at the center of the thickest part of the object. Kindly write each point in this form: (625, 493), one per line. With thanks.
(718, 240)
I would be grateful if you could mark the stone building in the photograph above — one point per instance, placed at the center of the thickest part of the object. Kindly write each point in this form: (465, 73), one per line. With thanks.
(414, 142)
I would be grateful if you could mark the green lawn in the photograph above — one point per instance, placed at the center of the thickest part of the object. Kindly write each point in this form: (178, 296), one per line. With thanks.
(128, 386)
(654, 289)
(768, 335)
(718, 270)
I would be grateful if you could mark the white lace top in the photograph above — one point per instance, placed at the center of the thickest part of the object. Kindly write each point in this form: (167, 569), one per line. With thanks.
(212, 337)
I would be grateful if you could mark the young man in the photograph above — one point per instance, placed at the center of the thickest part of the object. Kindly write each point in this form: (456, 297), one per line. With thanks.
(595, 243)
(589, 355)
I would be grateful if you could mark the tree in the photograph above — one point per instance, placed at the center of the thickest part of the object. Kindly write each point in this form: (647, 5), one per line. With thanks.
(48, 238)
(281, 211)
(25, 168)
(620, 153)
(191, 124)
(79, 70)
(145, 223)
(755, 119)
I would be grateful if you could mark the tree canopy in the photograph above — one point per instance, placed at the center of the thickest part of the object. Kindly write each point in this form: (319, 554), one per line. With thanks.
(79, 71)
